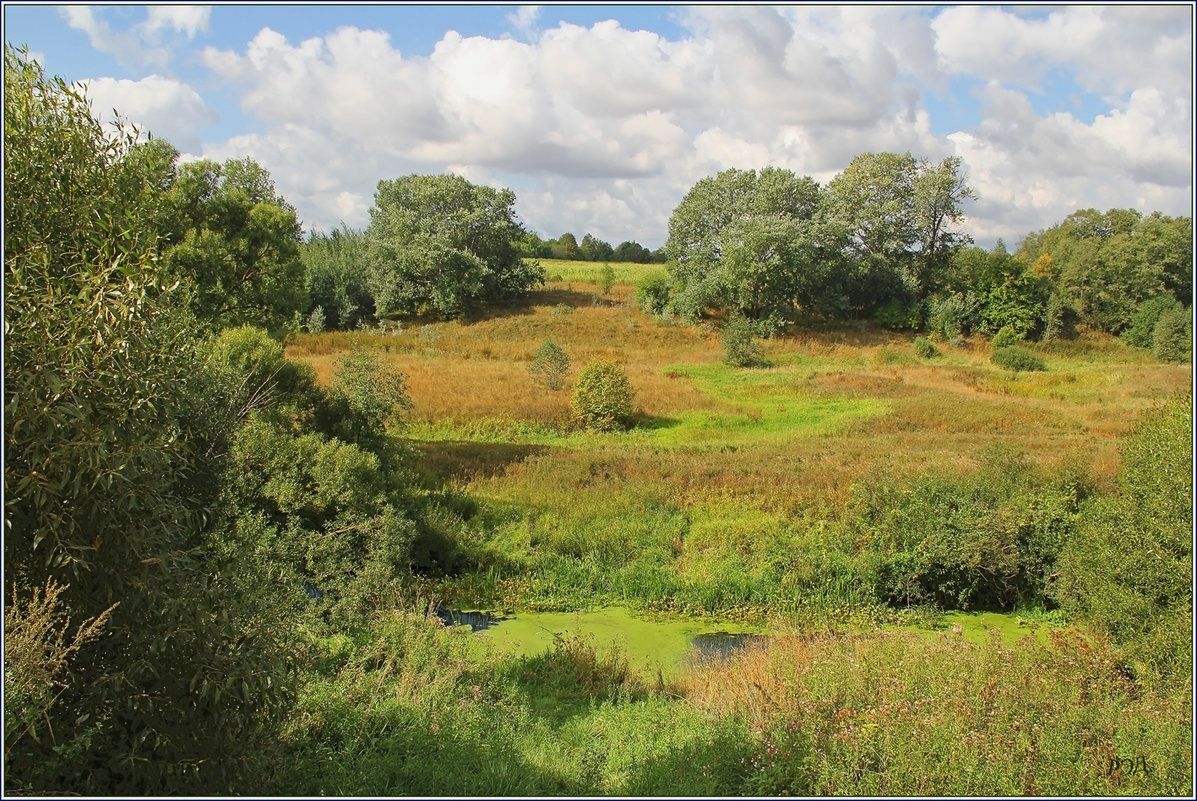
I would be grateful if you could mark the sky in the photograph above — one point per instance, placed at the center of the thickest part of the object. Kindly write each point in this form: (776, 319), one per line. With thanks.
(602, 117)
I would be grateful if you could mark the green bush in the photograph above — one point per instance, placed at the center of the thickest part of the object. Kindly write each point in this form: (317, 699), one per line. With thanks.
(606, 279)
(652, 293)
(898, 315)
(1017, 359)
(988, 540)
(1172, 339)
(952, 316)
(1129, 567)
(549, 366)
(739, 342)
(1007, 337)
(603, 397)
(924, 348)
(1141, 331)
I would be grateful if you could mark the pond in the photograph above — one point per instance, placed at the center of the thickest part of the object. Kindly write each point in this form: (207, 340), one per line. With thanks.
(671, 645)
(667, 645)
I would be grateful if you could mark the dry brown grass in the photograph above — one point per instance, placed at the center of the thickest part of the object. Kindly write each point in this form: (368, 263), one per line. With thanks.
(941, 411)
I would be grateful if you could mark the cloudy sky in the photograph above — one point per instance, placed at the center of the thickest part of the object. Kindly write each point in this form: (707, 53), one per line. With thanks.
(602, 117)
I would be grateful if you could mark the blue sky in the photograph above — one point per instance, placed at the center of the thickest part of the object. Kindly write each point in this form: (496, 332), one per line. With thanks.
(602, 117)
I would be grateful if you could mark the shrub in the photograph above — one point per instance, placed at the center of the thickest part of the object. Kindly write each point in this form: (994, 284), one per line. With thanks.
(1017, 359)
(897, 315)
(1006, 337)
(1141, 331)
(652, 294)
(1059, 319)
(739, 337)
(315, 323)
(1129, 567)
(952, 316)
(924, 348)
(602, 397)
(549, 366)
(1172, 339)
(606, 279)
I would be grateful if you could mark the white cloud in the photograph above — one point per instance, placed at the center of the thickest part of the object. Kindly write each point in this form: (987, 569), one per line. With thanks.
(187, 20)
(162, 106)
(524, 19)
(143, 44)
(602, 129)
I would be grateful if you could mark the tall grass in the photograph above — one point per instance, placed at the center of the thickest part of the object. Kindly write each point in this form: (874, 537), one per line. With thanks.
(898, 714)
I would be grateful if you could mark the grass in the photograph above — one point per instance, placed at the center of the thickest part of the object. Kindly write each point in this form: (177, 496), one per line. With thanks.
(730, 506)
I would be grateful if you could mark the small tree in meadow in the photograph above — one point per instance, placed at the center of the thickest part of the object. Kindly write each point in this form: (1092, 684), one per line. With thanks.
(606, 279)
(549, 366)
(602, 397)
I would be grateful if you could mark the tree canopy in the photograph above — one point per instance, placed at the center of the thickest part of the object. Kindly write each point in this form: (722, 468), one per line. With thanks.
(235, 242)
(113, 432)
(746, 241)
(439, 245)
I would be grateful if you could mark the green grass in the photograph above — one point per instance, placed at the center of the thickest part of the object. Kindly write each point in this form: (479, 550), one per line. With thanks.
(558, 271)
(735, 503)
(774, 404)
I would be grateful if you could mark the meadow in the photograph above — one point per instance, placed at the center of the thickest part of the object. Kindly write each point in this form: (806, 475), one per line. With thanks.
(779, 500)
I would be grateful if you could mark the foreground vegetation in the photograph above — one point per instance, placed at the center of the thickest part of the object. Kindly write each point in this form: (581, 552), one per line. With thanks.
(226, 551)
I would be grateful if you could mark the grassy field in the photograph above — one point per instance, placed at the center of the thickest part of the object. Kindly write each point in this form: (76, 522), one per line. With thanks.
(739, 500)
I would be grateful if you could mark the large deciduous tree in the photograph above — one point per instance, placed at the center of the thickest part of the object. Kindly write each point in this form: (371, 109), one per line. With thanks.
(112, 442)
(746, 241)
(439, 245)
(899, 216)
(235, 242)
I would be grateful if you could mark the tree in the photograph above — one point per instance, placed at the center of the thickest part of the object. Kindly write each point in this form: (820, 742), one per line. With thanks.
(1107, 264)
(632, 252)
(566, 247)
(112, 444)
(745, 241)
(336, 275)
(899, 214)
(235, 242)
(595, 249)
(939, 193)
(1172, 339)
(549, 366)
(440, 245)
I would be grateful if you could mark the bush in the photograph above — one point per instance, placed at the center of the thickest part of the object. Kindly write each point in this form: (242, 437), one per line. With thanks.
(924, 348)
(606, 279)
(1017, 359)
(739, 337)
(1007, 337)
(316, 319)
(1141, 331)
(952, 316)
(897, 315)
(1059, 319)
(602, 397)
(652, 294)
(1129, 567)
(549, 366)
(1172, 339)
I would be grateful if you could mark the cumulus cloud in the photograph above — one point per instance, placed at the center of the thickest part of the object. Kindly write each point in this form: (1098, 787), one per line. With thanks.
(524, 19)
(143, 44)
(603, 129)
(162, 106)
